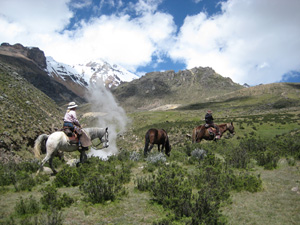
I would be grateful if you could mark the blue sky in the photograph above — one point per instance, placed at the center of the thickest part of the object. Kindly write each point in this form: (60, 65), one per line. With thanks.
(250, 41)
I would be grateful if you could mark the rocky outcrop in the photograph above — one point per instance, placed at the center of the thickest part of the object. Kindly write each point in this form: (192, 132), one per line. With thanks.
(30, 63)
(18, 50)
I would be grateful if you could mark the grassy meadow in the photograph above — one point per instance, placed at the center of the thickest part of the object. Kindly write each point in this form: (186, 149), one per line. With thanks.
(252, 177)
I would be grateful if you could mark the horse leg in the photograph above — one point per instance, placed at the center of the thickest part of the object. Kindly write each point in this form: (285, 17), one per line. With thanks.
(48, 156)
(158, 146)
(51, 166)
(151, 146)
(83, 157)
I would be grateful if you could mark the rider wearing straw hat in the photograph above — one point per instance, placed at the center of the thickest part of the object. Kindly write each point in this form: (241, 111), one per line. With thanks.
(70, 120)
(209, 123)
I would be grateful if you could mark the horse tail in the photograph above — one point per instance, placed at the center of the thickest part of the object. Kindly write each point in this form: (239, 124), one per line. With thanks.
(147, 140)
(194, 135)
(40, 144)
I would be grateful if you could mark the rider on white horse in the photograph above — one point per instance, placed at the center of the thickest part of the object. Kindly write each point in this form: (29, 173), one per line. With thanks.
(71, 121)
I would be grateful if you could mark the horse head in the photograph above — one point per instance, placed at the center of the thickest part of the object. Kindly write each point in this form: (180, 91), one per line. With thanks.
(230, 128)
(104, 138)
(168, 149)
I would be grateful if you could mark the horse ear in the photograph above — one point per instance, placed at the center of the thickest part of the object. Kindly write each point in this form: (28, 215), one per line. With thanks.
(106, 128)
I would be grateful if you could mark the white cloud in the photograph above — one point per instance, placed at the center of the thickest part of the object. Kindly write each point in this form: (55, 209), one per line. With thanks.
(129, 42)
(253, 41)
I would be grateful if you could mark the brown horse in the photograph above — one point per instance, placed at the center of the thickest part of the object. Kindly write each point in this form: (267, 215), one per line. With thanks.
(159, 137)
(201, 132)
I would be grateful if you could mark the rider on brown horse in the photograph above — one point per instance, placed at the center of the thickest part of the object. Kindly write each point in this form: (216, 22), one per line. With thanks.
(209, 123)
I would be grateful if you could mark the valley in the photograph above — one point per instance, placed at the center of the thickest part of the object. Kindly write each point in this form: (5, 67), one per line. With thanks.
(251, 177)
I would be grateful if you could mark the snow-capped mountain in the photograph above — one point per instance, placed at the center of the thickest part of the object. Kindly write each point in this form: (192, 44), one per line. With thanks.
(90, 73)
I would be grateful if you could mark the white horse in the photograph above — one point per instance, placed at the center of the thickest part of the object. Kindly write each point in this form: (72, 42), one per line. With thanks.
(50, 144)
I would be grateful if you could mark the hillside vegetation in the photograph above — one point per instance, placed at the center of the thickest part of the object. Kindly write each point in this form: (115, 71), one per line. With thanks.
(25, 113)
(251, 177)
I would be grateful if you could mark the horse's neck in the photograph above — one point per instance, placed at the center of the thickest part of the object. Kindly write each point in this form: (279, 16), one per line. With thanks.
(94, 132)
(223, 127)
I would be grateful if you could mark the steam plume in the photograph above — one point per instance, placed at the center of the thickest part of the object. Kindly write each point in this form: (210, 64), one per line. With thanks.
(113, 117)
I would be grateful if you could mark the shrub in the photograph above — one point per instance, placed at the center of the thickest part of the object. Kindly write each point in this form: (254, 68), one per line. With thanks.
(172, 190)
(7, 177)
(98, 188)
(29, 166)
(247, 182)
(268, 159)
(237, 158)
(28, 206)
(197, 155)
(144, 183)
(156, 159)
(50, 218)
(68, 176)
(41, 178)
(205, 210)
(134, 156)
(24, 181)
(51, 199)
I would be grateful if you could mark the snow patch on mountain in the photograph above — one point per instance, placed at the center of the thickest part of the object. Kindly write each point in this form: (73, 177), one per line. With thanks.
(90, 73)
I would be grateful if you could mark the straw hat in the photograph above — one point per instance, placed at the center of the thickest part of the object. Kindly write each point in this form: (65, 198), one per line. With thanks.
(72, 105)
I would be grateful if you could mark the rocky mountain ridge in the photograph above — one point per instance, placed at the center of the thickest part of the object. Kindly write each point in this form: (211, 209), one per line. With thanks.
(30, 63)
(159, 88)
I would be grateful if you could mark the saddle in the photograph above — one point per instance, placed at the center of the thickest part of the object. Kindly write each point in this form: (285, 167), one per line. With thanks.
(73, 137)
(212, 131)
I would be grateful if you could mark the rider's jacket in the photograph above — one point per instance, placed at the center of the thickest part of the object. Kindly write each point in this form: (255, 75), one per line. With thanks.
(209, 118)
(70, 117)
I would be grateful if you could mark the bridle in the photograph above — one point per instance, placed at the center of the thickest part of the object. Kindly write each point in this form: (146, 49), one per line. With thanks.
(103, 140)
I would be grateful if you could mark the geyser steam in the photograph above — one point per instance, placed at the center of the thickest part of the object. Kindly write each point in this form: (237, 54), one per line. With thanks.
(114, 117)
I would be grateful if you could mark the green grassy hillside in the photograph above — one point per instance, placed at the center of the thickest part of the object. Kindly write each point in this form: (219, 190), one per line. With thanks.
(249, 178)
(25, 113)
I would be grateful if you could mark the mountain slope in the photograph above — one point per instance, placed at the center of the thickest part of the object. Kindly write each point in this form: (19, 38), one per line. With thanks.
(25, 113)
(160, 88)
(30, 63)
(88, 74)
(268, 98)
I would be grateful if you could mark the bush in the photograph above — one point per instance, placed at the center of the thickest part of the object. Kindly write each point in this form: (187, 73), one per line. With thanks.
(51, 199)
(98, 188)
(172, 190)
(24, 181)
(52, 217)
(28, 206)
(7, 177)
(247, 182)
(144, 183)
(134, 156)
(237, 158)
(68, 176)
(156, 159)
(268, 159)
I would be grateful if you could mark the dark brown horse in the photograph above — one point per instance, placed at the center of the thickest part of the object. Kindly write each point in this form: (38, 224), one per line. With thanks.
(159, 137)
(201, 132)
